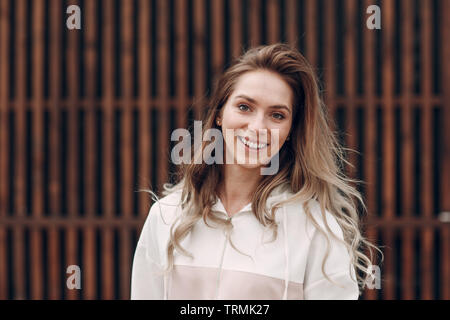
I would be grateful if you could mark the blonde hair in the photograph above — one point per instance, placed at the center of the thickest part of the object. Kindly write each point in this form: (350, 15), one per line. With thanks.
(311, 162)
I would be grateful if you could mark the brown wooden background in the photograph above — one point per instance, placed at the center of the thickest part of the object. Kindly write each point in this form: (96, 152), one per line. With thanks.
(86, 117)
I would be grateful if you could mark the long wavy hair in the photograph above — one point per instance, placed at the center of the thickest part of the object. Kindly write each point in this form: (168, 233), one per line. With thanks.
(311, 162)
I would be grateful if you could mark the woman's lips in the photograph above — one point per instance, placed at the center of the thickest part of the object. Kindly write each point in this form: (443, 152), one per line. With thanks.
(251, 145)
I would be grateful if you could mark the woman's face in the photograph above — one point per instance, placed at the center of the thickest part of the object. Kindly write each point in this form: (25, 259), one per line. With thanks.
(257, 118)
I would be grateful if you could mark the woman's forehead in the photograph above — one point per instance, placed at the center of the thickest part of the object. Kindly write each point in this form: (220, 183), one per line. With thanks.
(263, 87)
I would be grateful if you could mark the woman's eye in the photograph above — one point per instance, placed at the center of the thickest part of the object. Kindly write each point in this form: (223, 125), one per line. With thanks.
(243, 107)
(278, 116)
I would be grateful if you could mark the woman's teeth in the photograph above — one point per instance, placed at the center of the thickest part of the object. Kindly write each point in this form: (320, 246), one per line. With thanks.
(252, 145)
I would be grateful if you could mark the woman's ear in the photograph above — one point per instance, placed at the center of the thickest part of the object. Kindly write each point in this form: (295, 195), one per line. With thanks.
(218, 121)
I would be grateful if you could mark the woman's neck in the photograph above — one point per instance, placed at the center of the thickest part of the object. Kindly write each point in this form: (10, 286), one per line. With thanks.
(238, 186)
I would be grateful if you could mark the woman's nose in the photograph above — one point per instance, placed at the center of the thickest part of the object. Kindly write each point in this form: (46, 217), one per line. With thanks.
(257, 128)
(257, 123)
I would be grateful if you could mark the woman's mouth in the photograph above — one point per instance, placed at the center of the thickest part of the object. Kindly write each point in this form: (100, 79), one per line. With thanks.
(252, 145)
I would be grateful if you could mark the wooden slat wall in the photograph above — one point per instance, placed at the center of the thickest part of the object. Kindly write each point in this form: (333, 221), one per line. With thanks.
(75, 202)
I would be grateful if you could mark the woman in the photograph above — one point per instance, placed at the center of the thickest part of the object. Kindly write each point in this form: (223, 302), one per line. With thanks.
(227, 231)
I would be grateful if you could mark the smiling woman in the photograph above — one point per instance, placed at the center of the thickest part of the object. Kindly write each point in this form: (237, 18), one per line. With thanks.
(207, 238)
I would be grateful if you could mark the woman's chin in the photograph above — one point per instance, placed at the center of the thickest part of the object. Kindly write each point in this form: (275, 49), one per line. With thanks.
(250, 166)
(248, 163)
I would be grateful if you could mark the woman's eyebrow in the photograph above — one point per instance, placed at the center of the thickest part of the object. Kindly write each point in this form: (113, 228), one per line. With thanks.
(282, 106)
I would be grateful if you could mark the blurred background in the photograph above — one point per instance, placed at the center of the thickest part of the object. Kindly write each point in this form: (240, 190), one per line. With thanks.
(86, 117)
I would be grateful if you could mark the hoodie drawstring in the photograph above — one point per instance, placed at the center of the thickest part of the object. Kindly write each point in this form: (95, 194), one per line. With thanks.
(286, 253)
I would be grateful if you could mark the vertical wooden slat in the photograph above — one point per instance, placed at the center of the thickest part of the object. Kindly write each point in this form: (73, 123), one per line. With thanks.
(72, 100)
(311, 31)
(37, 141)
(236, 28)
(90, 58)
(55, 269)
(407, 277)
(72, 148)
(426, 260)
(445, 155)
(370, 133)
(37, 107)
(19, 69)
(88, 272)
(199, 54)
(273, 22)
(144, 70)
(291, 24)
(181, 69)
(163, 63)
(126, 259)
(4, 92)
(407, 145)
(20, 145)
(181, 61)
(127, 143)
(19, 268)
(255, 30)
(4, 146)
(388, 143)
(330, 59)
(107, 285)
(107, 275)
(217, 37)
(71, 258)
(426, 151)
(350, 54)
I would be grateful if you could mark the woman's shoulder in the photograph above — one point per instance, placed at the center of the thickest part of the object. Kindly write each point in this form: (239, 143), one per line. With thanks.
(323, 219)
(166, 208)
(308, 212)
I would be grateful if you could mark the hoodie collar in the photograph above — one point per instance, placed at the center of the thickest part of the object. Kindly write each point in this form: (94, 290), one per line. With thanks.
(218, 206)
(277, 194)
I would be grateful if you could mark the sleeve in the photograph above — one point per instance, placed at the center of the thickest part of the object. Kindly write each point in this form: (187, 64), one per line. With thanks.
(147, 281)
(337, 267)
